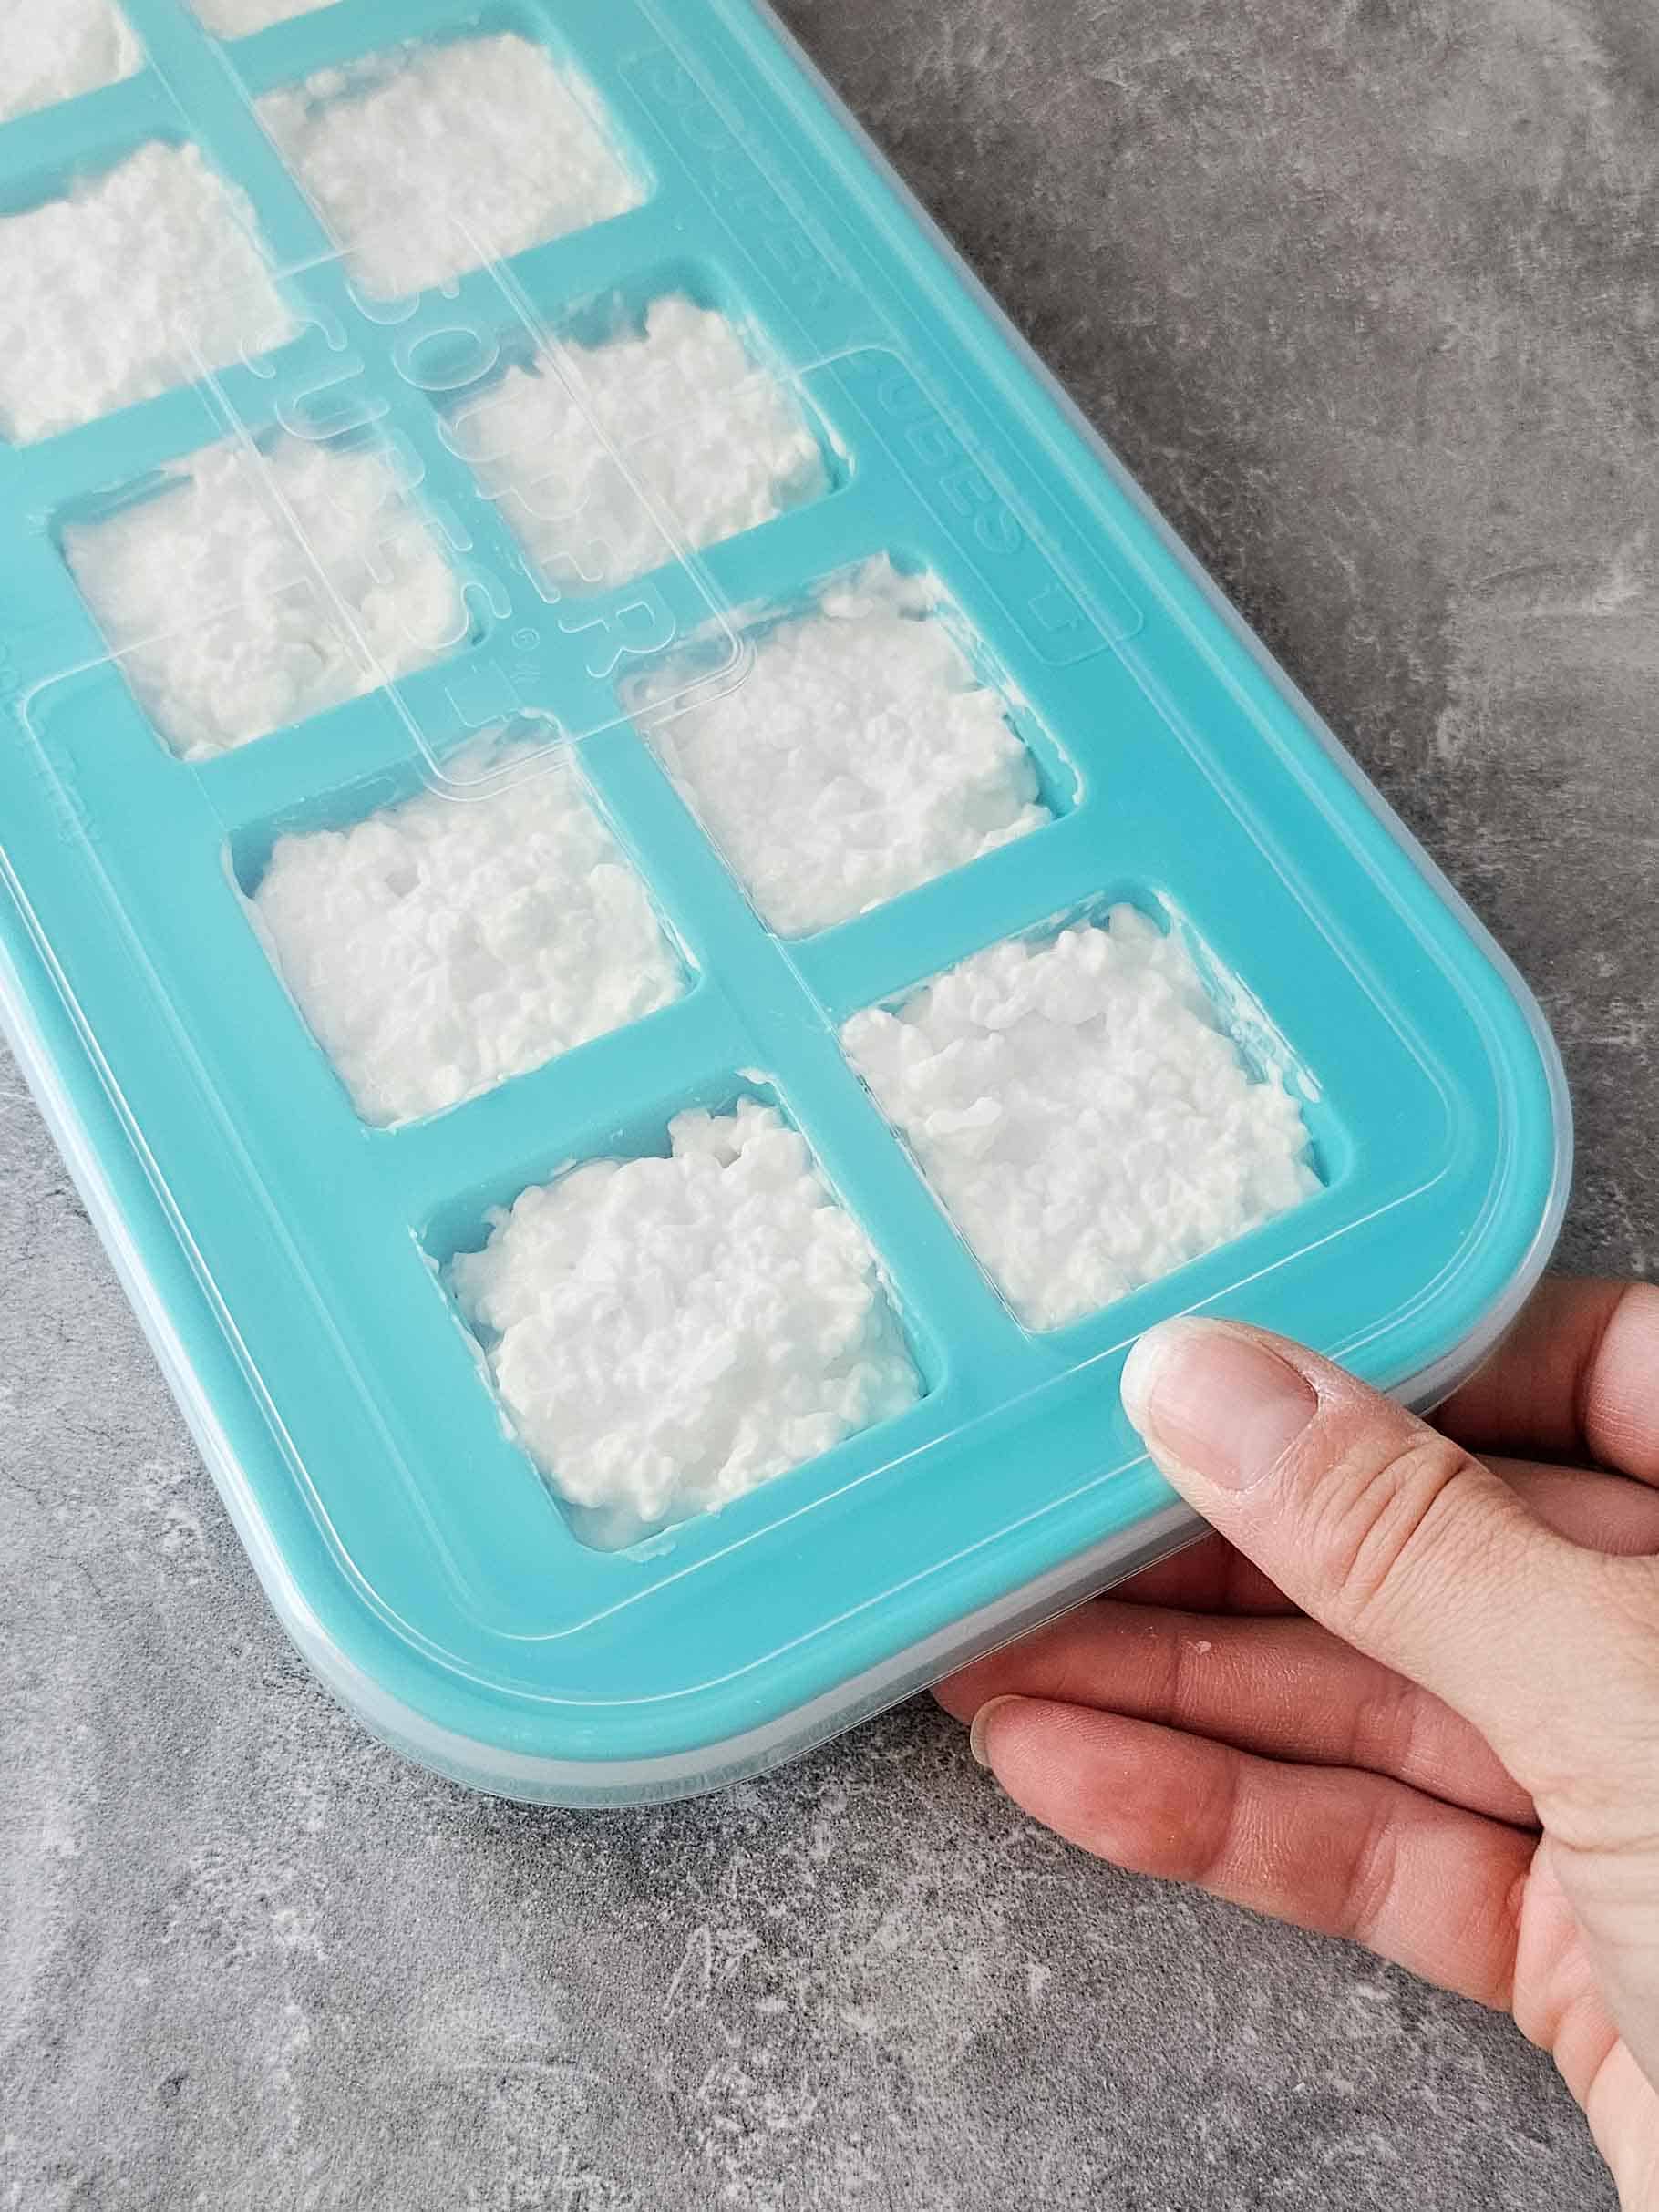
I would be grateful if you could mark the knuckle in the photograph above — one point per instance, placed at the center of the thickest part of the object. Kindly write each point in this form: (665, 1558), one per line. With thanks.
(1176, 1678)
(1372, 1874)
(1386, 1736)
(1382, 1521)
(1215, 1839)
(1597, 1758)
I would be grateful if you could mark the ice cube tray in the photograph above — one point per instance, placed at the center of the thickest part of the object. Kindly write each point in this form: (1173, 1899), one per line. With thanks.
(288, 1259)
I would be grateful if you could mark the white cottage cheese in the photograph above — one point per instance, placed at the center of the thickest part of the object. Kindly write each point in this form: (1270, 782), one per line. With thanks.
(428, 161)
(677, 417)
(52, 49)
(132, 280)
(235, 18)
(669, 1333)
(210, 591)
(443, 945)
(1081, 1117)
(858, 757)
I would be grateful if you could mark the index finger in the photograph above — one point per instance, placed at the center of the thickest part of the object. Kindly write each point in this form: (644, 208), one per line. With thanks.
(1576, 1377)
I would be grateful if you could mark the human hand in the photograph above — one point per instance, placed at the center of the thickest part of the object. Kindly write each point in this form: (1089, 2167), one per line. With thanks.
(1403, 1695)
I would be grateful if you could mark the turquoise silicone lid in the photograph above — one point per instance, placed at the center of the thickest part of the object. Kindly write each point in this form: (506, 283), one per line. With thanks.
(289, 1261)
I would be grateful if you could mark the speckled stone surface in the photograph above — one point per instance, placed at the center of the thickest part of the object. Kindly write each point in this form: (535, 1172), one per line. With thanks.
(1365, 292)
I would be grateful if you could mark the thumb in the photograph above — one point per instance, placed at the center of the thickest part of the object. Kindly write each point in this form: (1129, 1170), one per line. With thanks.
(1402, 1544)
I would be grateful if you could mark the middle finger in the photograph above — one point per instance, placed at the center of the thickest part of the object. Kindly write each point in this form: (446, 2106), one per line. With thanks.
(1282, 1688)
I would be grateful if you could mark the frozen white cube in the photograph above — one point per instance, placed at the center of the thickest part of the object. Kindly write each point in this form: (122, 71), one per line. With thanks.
(858, 756)
(668, 1334)
(446, 944)
(607, 457)
(143, 277)
(1081, 1114)
(236, 18)
(261, 586)
(428, 161)
(52, 49)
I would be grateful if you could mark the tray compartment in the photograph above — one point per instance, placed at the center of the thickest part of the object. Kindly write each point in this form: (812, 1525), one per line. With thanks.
(861, 749)
(415, 157)
(95, 48)
(468, 941)
(594, 441)
(1155, 1144)
(257, 585)
(77, 250)
(675, 1326)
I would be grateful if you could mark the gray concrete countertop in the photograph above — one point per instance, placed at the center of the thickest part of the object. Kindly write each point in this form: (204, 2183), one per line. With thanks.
(1365, 292)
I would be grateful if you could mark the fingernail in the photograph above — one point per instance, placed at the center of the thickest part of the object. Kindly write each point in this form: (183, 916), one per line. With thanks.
(1224, 1406)
(976, 1733)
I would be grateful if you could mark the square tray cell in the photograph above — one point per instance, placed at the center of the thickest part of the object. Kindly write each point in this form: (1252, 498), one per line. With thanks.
(440, 946)
(858, 756)
(674, 416)
(261, 585)
(236, 18)
(124, 284)
(428, 160)
(55, 49)
(668, 1334)
(1081, 1115)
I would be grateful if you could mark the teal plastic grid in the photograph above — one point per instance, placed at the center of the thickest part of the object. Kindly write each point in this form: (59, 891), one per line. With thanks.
(411, 1547)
